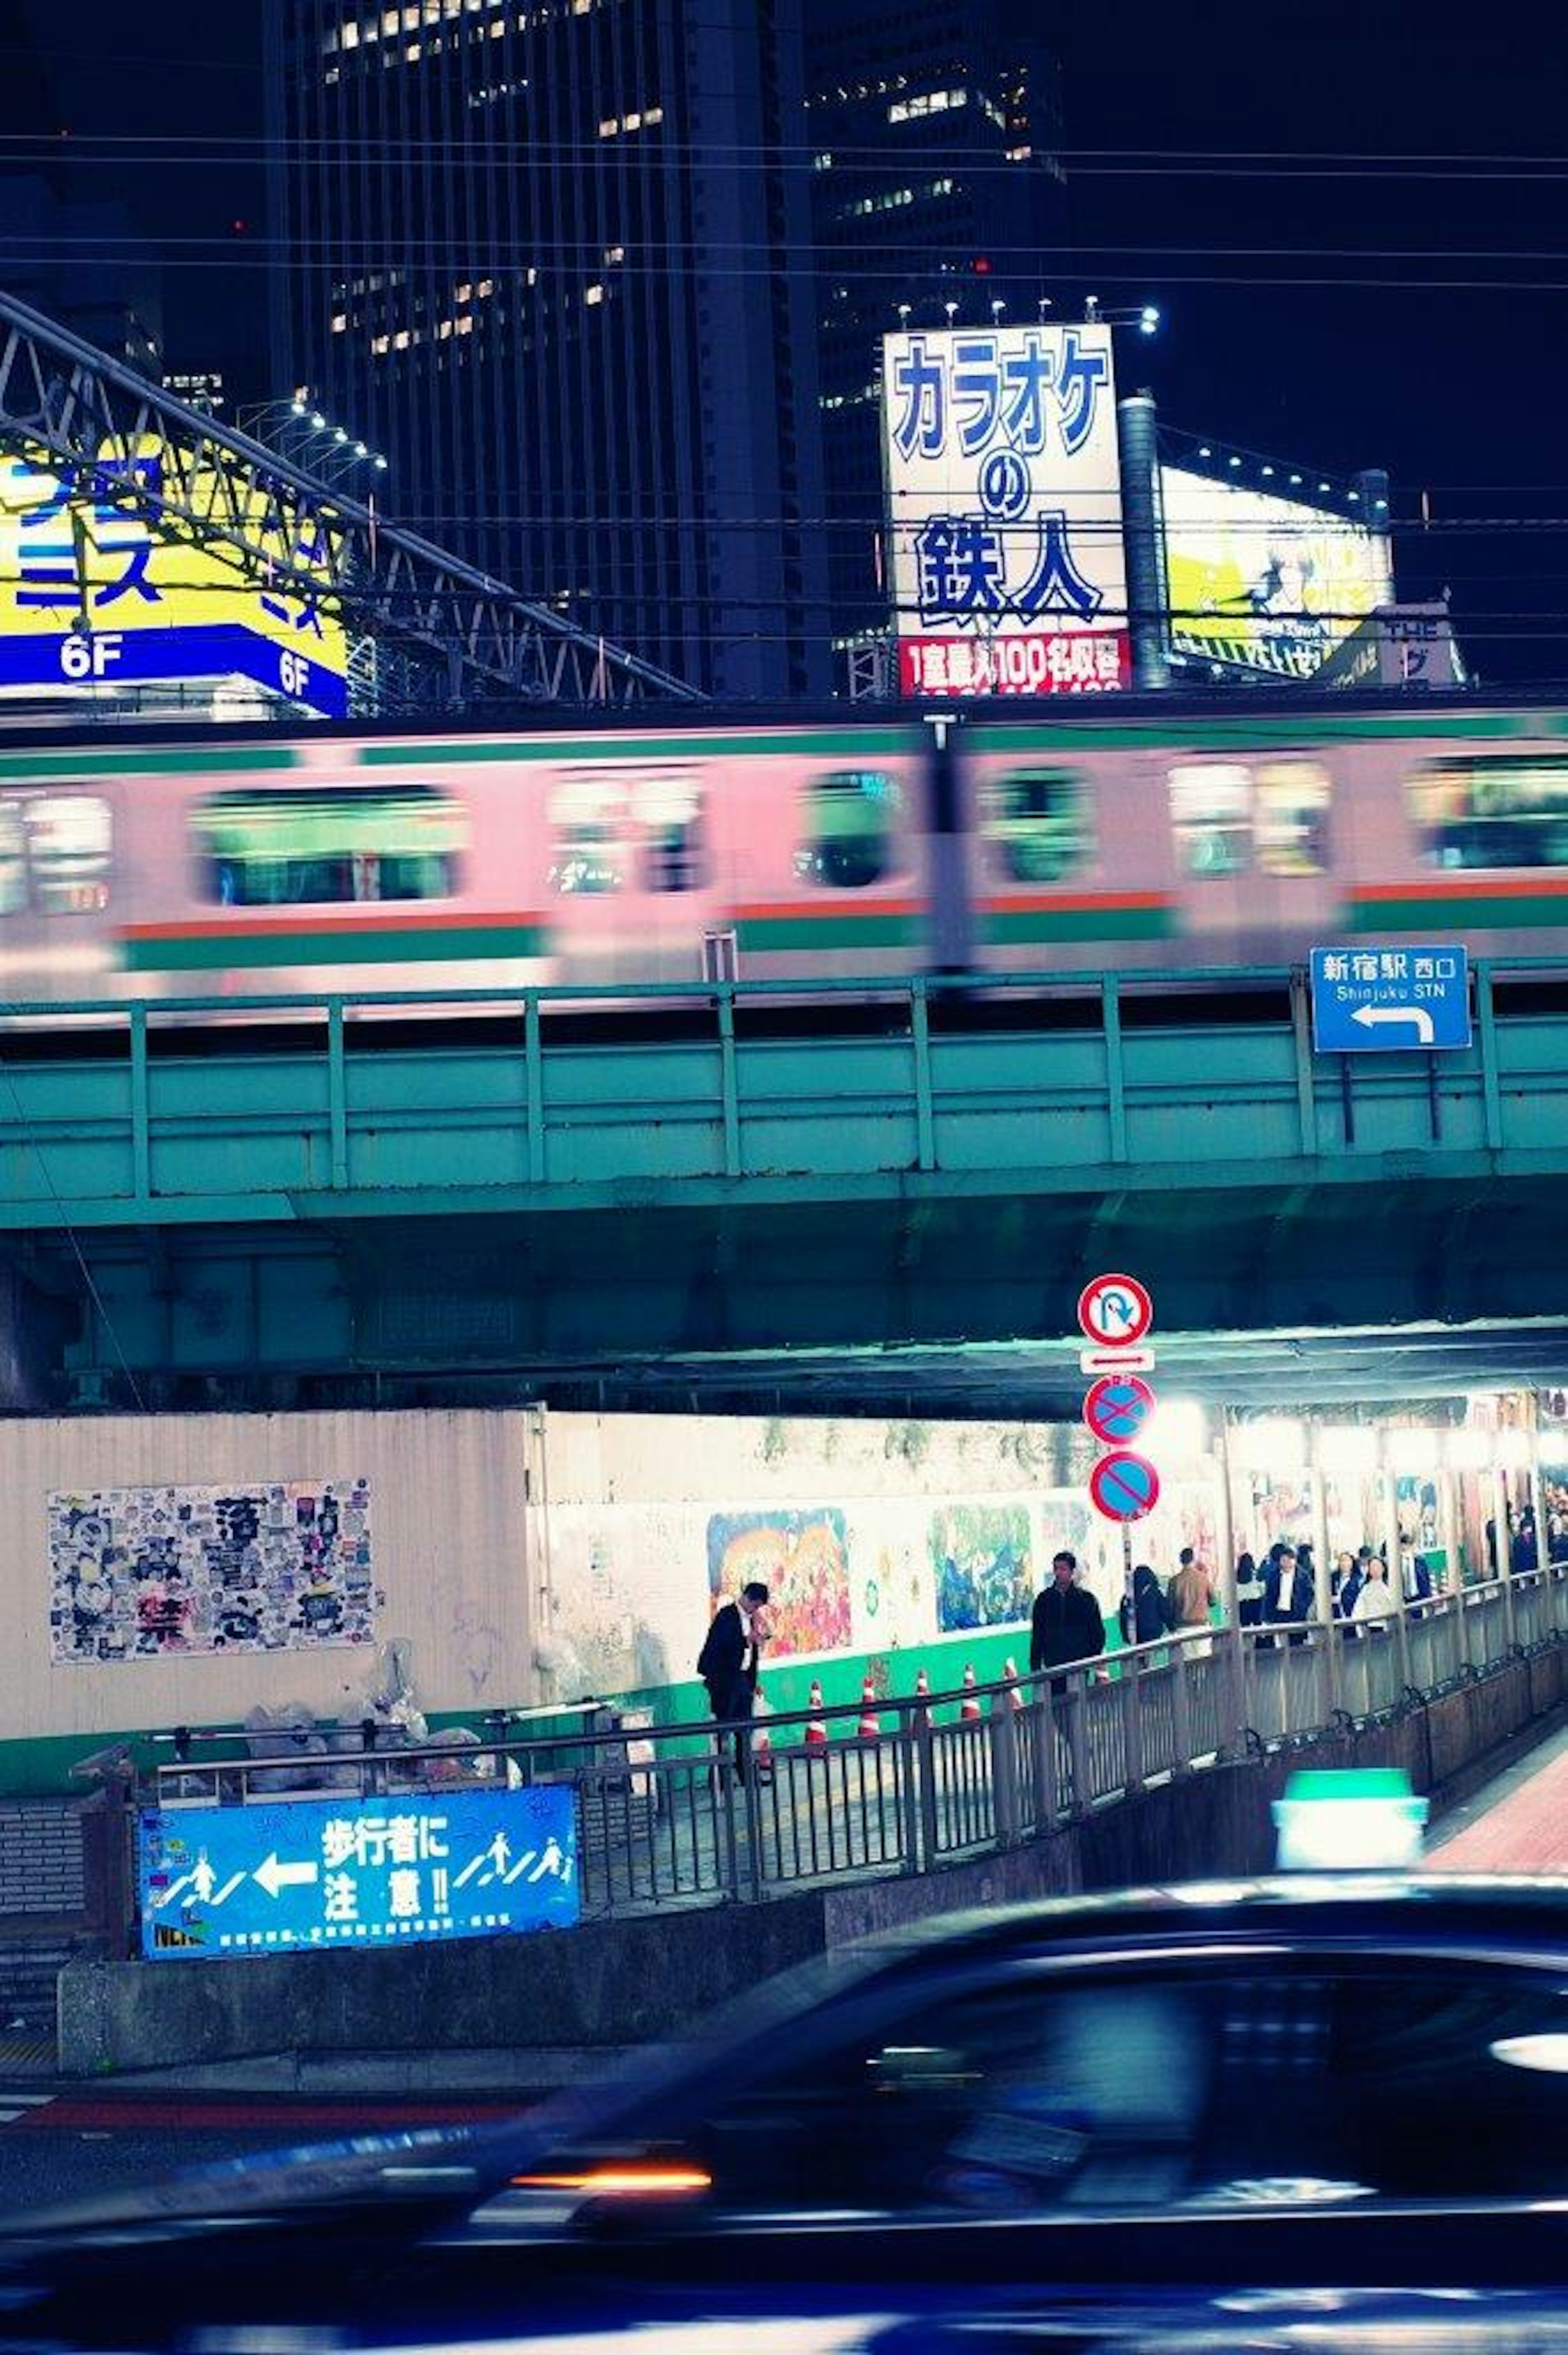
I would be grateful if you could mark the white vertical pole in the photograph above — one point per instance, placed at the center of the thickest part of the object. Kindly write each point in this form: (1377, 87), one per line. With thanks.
(1388, 1499)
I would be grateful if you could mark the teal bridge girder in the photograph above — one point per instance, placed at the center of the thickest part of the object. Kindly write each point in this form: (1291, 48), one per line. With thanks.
(575, 1177)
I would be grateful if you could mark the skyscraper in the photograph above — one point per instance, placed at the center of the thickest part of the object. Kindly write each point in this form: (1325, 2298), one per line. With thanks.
(63, 253)
(552, 256)
(934, 130)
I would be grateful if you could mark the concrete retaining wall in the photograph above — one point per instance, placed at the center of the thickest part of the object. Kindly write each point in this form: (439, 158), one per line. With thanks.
(618, 1983)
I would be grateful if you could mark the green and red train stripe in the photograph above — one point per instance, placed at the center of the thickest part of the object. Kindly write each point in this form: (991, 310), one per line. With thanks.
(1047, 916)
(1460, 903)
(406, 937)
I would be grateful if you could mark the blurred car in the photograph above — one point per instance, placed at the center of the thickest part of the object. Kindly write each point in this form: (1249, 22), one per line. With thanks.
(1117, 2122)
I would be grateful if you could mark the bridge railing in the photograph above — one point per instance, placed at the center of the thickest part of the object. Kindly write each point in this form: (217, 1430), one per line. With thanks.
(693, 1814)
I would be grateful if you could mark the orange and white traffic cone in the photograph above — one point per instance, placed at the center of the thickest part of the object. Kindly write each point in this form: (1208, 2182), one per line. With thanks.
(870, 1727)
(968, 1707)
(816, 1729)
(1010, 1672)
(922, 1695)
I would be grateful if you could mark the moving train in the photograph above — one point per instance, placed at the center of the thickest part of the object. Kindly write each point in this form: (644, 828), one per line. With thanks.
(661, 848)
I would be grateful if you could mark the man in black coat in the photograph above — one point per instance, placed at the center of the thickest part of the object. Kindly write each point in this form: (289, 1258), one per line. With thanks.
(728, 1664)
(1067, 1625)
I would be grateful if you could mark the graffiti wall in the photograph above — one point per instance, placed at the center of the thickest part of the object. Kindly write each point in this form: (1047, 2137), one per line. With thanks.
(140, 1574)
(871, 1537)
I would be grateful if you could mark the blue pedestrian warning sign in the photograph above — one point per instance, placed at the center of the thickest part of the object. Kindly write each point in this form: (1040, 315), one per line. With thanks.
(320, 1873)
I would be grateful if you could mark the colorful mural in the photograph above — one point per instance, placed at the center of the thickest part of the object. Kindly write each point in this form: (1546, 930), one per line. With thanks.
(802, 1558)
(140, 1574)
(980, 1556)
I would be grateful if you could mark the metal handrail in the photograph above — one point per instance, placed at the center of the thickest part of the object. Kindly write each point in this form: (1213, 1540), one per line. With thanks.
(615, 1737)
(230, 1753)
(1195, 980)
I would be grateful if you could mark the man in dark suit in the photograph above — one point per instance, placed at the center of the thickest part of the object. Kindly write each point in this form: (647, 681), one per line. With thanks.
(1066, 1624)
(728, 1664)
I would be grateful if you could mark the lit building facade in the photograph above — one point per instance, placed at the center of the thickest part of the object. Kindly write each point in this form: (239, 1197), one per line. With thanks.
(552, 256)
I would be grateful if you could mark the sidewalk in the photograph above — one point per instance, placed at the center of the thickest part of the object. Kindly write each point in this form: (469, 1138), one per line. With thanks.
(1516, 1822)
(491, 2081)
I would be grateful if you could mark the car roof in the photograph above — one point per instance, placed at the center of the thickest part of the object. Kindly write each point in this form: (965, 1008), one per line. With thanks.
(1296, 1906)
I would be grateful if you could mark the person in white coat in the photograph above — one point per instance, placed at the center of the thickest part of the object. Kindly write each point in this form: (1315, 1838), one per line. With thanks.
(1376, 1599)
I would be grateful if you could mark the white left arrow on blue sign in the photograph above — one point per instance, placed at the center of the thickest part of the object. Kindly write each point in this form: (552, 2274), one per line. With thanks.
(274, 1877)
(1377, 1018)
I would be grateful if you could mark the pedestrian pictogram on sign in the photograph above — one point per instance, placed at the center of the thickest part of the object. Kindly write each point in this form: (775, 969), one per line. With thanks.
(1115, 1311)
(1116, 1408)
(1123, 1487)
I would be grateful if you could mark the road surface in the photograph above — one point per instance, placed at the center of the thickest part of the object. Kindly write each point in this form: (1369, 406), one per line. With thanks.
(60, 2144)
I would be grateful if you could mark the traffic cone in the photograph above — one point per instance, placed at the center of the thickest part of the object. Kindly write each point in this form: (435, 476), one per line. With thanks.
(870, 1727)
(968, 1707)
(816, 1731)
(1010, 1673)
(922, 1695)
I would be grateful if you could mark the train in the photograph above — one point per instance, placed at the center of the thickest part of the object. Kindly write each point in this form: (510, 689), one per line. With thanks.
(666, 848)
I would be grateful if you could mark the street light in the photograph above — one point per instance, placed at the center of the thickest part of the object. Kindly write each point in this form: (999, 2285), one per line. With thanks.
(298, 430)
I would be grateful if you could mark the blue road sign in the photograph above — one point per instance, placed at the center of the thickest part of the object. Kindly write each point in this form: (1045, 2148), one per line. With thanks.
(1123, 1487)
(1117, 1407)
(321, 1873)
(1370, 1001)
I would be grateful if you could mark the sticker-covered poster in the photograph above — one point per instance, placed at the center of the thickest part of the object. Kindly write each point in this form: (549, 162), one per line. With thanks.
(142, 1573)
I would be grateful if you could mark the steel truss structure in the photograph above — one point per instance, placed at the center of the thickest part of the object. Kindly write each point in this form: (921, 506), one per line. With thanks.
(465, 637)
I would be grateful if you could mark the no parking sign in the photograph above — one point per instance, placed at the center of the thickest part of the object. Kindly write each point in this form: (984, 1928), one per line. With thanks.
(1116, 1312)
(1123, 1487)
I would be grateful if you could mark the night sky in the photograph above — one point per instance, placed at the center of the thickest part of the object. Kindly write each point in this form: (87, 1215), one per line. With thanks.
(1345, 281)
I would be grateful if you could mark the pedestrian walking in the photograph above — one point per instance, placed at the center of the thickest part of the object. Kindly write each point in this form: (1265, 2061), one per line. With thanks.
(1376, 1600)
(1144, 1621)
(1279, 1582)
(728, 1664)
(1066, 1625)
(1341, 1584)
(1190, 1594)
(1249, 1591)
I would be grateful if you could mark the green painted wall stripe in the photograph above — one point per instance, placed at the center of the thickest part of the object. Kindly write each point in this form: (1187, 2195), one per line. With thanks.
(846, 744)
(1177, 735)
(1508, 911)
(93, 760)
(206, 951)
(860, 932)
(1004, 925)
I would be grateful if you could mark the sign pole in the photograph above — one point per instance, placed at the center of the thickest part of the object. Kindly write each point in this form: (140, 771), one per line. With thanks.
(1114, 1313)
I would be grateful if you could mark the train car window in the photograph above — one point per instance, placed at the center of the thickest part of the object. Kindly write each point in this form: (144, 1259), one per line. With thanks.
(13, 860)
(852, 817)
(1291, 817)
(319, 846)
(69, 840)
(1210, 809)
(1499, 810)
(586, 814)
(670, 806)
(1039, 821)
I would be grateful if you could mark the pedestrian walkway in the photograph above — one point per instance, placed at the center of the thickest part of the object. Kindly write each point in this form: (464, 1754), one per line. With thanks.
(1517, 1824)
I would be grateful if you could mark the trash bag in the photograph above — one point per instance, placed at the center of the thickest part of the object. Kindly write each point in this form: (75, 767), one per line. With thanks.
(290, 1731)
